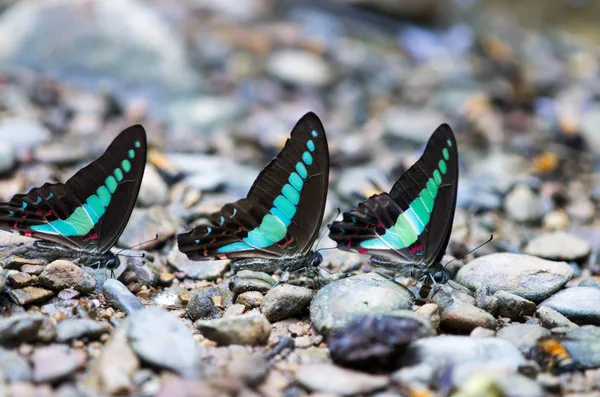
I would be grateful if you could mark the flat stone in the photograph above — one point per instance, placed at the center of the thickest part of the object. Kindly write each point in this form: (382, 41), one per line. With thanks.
(550, 318)
(30, 295)
(62, 274)
(249, 280)
(578, 304)
(558, 246)
(523, 336)
(336, 380)
(35, 270)
(234, 310)
(460, 314)
(583, 344)
(285, 301)
(339, 303)
(527, 276)
(15, 262)
(19, 280)
(53, 363)
(70, 329)
(247, 329)
(14, 367)
(120, 297)
(161, 339)
(513, 306)
(204, 270)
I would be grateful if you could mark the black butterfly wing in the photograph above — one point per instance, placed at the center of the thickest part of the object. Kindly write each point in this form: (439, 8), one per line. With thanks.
(283, 211)
(89, 211)
(412, 223)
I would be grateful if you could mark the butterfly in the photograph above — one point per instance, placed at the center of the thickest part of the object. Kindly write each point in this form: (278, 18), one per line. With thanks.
(408, 229)
(275, 226)
(84, 217)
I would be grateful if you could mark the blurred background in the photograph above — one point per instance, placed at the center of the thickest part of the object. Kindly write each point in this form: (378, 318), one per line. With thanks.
(219, 85)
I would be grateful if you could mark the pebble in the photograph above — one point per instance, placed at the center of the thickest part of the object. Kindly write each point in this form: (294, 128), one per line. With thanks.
(374, 343)
(234, 310)
(523, 205)
(421, 375)
(332, 379)
(523, 336)
(250, 299)
(161, 339)
(285, 301)
(513, 306)
(527, 276)
(583, 345)
(21, 133)
(14, 367)
(80, 328)
(451, 350)
(154, 190)
(247, 329)
(481, 332)
(339, 303)
(205, 270)
(300, 68)
(120, 297)
(63, 274)
(34, 270)
(252, 369)
(558, 246)
(578, 304)
(53, 363)
(460, 314)
(550, 318)
(432, 312)
(19, 280)
(249, 280)
(29, 295)
(68, 294)
(202, 304)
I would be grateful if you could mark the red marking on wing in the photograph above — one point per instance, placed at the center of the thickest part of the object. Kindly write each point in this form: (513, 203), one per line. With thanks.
(92, 237)
(27, 234)
(362, 251)
(213, 240)
(416, 248)
(287, 243)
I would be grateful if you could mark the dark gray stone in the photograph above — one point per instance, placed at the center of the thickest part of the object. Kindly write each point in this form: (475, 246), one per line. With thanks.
(202, 305)
(513, 306)
(578, 304)
(18, 329)
(80, 328)
(120, 297)
(285, 301)
(583, 344)
(248, 280)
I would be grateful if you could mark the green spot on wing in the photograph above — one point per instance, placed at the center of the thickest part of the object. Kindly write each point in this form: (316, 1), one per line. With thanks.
(301, 169)
(446, 154)
(272, 228)
(111, 184)
(118, 174)
(432, 187)
(104, 195)
(437, 177)
(442, 166)
(137, 144)
(131, 153)
(307, 158)
(291, 194)
(126, 165)
(449, 142)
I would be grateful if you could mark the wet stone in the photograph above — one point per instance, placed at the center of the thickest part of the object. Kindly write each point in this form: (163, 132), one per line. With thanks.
(161, 339)
(327, 378)
(513, 306)
(19, 280)
(80, 328)
(248, 280)
(550, 318)
(120, 297)
(53, 363)
(30, 295)
(250, 299)
(247, 329)
(578, 304)
(558, 246)
(523, 336)
(374, 343)
(285, 301)
(339, 303)
(205, 270)
(527, 276)
(583, 344)
(14, 367)
(208, 303)
(63, 274)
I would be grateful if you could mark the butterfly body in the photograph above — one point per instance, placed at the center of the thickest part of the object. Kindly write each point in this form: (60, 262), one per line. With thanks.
(275, 226)
(84, 217)
(407, 230)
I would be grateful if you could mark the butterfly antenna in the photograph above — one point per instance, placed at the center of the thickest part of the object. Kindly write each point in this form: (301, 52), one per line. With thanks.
(376, 184)
(473, 250)
(137, 245)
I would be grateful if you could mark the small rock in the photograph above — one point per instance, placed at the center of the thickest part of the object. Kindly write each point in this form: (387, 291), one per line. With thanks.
(583, 344)
(458, 314)
(558, 246)
(80, 328)
(550, 318)
(481, 332)
(513, 306)
(523, 336)
(21, 133)
(34, 270)
(166, 279)
(302, 342)
(62, 274)
(14, 367)
(68, 294)
(373, 343)
(205, 270)
(161, 339)
(14, 262)
(300, 68)
(579, 304)
(47, 332)
(29, 295)
(527, 276)
(329, 378)
(432, 312)
(285, 301)
(246, 329)
(250, 299)
(523, 205)
(19, 280)
(249, 280)
(202, 304)
(53, 363)
(120, 297)
(339, 303)
(234, 310)
(154, 190)
(252, 369)
(3, 277)
(421, 375)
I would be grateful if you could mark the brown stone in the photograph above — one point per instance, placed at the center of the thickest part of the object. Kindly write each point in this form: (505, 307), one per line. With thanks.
(63, 274)
(29, 295)
(19, 280)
